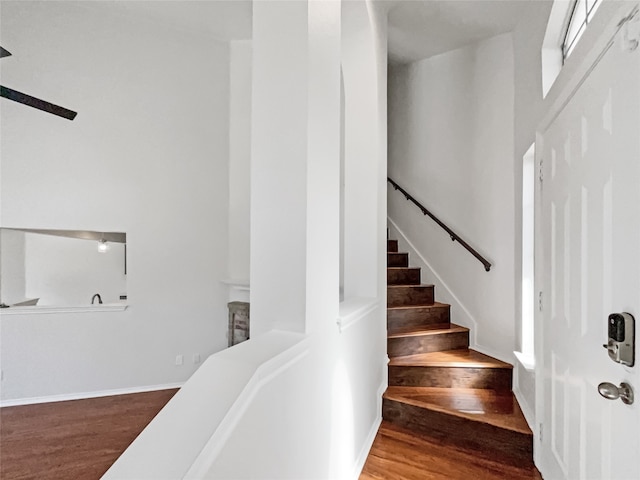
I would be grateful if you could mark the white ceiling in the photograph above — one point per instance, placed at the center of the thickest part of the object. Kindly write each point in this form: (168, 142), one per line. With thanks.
(422, 28)
(417, 28)
(222, 19)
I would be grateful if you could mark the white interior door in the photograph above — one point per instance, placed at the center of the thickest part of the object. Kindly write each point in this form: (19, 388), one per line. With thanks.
(590, 233)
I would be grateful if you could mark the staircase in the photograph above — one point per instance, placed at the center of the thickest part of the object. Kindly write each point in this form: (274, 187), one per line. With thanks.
(438, 387)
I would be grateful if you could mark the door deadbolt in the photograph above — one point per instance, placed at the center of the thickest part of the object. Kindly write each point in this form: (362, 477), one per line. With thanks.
(609, 391)
(621, 338)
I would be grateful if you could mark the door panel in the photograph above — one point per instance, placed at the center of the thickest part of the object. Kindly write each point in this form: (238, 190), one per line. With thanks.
(590, 223)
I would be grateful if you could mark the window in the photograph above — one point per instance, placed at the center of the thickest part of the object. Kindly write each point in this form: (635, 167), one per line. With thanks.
(568, 20)
(581, 14)
(527, 326)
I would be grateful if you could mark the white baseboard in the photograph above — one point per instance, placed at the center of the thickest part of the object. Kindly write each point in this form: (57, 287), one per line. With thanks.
(368, 443)
(526, 409)
(84, 395)
(510, 359)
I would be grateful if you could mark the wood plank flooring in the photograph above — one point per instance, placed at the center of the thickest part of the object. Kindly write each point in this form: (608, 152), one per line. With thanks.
(78, 439)
(81, 439)
(399, 454)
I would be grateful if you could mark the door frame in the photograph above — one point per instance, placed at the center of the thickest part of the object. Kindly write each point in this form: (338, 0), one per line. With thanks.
(594, 44)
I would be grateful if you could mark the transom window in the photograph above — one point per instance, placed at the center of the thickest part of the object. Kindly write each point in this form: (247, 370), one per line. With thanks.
(581, 14)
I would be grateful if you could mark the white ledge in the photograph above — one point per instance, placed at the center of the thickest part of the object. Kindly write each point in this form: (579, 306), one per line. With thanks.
(353, 309)
(237, 284)
(527, 361)
(46, 309)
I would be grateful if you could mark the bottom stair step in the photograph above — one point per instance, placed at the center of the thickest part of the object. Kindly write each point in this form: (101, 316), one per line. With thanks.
(476, 404)
(399, 454)
(483, 420)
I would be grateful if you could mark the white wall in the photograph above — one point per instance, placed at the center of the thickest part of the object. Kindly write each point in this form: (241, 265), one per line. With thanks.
(239, 158)
(318, 418)
(315, 413)
(12, 266)
(69, 271)
(147, 155)
(527, 40)
(451, 146)
(292, 407)
(315, 419)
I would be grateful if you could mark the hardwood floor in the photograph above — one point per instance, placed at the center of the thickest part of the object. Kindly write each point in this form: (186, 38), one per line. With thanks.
(78, 439)
(398, 454)
(81, 439)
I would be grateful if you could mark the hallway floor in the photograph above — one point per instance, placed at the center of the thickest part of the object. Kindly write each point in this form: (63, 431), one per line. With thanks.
(77, 439)
(82, 438)
(397, 454)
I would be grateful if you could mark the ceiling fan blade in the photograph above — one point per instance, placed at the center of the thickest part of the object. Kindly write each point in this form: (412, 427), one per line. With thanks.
(4, 53)
(36, 103)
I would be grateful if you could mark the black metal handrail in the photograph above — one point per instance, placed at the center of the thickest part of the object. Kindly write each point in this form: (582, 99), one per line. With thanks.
(454, 236)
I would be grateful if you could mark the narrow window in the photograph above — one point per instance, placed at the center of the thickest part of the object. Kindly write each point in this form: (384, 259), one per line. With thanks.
(342, 127)
(581, 14)
(528, 186)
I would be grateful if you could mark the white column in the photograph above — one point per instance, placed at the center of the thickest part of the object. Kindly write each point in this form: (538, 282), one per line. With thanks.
(323, 174)
(294, 164)
(362, 153)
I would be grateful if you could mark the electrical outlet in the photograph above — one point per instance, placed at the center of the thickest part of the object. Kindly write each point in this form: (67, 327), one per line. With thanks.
(196, 358)
(179, 359)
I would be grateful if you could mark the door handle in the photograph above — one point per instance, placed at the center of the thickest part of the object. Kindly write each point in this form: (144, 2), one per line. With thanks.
(609, 391)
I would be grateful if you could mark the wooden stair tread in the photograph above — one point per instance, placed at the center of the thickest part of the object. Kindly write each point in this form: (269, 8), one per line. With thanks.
(409, 307)
(428, 285)
(499, 409)
(401, 331)
(450, 358)
(426, 330)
